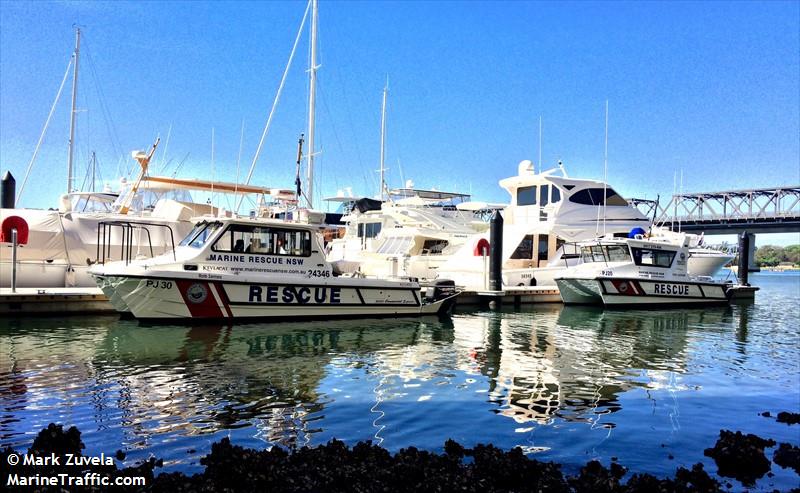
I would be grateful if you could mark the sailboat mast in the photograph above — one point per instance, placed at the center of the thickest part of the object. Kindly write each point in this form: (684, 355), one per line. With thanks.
(72, 112)
(312, 93)
(383, 142)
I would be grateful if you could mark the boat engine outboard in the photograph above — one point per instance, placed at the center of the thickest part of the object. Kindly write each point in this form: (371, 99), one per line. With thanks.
(440, 289)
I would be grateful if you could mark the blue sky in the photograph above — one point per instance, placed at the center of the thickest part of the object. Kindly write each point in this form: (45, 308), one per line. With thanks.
(707, 88)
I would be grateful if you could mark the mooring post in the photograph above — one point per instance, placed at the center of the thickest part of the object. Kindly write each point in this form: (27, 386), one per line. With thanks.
(8, 191)
(496, 256)
(14, 260)
(744, 258)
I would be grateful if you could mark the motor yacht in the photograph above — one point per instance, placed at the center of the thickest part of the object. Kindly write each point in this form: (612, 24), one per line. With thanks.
(548, 211)
(256, 268)
(638, 271)
(408, 235)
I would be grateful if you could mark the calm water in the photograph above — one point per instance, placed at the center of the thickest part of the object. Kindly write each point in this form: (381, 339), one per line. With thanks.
(566, 384)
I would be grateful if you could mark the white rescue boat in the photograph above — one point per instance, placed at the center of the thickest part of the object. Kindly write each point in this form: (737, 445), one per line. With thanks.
(638, 271)
(235, 268)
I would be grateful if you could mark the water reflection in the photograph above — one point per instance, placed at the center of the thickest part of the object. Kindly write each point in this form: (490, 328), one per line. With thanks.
(148, 388)
(573, 363)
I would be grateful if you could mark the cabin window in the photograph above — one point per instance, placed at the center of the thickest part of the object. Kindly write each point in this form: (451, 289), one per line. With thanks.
(200, 234)
(618, 253)
(594, 196)
(555, 194)
(524, 249)
(369, 230)
(592, 253)
(543, 240)
(543, 195)
(655, 258)
(395, 245)
(526, 196)
(605, 253)
(434, 247)
(245, 238)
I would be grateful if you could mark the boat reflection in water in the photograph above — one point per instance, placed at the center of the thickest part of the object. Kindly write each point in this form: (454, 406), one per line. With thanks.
(573, 363)
(167, 390)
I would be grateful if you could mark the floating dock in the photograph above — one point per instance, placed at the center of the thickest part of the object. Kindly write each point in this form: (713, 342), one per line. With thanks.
(53, 301)
(516, 295)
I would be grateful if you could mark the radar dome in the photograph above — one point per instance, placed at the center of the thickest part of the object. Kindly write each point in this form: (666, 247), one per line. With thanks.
(526, 167)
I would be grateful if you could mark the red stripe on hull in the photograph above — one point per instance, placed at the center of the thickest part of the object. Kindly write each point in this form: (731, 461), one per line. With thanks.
(199, 299)
(223, 297)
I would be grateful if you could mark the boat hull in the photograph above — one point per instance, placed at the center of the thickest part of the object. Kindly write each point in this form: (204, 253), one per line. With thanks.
(163, 298)
(641, 292)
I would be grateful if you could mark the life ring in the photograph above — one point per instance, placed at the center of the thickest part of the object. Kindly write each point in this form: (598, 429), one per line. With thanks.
(14, 222)
(481, 246)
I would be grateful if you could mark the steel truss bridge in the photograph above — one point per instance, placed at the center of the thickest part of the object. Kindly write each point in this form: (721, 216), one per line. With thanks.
(763, 210)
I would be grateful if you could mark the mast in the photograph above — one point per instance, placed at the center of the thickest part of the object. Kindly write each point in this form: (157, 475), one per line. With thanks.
(72, 112)
(383, 141)
(312, 95)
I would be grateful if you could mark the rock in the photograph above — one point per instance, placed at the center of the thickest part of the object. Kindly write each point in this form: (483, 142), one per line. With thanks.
(788, 456)
(788, 418)
(740, 456)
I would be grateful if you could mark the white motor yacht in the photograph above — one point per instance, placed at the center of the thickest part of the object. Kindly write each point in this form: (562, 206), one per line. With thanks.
(548, 211)
(638, 271)
(232, 268)
(411, 234)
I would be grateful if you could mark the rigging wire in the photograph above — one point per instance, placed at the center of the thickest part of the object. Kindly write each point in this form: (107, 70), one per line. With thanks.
(104, 110)
(41, 136)
(274, 105)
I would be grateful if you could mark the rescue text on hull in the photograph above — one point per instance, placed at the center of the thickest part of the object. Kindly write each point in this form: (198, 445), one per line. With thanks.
(258, 269)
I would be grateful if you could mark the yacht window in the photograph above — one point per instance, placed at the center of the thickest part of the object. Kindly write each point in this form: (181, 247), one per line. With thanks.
(543, 195)
(618, 253)
(655, 258)
(200, 234)
(369, 230)
(526, 196)
(594, 196)
(245, 238)
(395, 245)
(555, 194)
(433, 247)
(543, 241)
(524, 249)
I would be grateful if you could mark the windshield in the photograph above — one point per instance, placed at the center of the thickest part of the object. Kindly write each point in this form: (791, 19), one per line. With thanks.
(605, 253)
(146, 198)
(200, 234)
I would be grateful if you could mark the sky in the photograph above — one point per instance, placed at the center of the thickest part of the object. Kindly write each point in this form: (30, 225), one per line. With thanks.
(709, 91)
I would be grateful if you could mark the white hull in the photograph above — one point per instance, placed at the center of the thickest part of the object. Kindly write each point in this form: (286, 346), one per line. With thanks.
(631, 291)
(187, 298)
(707, 264)
(43, 274)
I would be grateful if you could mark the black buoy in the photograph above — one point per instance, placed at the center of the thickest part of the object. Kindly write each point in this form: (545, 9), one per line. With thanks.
(8, 187)
(744, 258)
(496, 252)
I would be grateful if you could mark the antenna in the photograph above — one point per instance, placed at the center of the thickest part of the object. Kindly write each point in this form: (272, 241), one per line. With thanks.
(605, 173)
(212, 169)
(540, 144)
(382, 184)
(238, 161)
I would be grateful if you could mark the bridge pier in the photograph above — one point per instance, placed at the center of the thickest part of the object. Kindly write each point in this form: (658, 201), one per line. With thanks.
(751, 253)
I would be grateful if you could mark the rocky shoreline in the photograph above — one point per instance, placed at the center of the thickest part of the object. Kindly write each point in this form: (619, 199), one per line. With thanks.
(365, 467)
